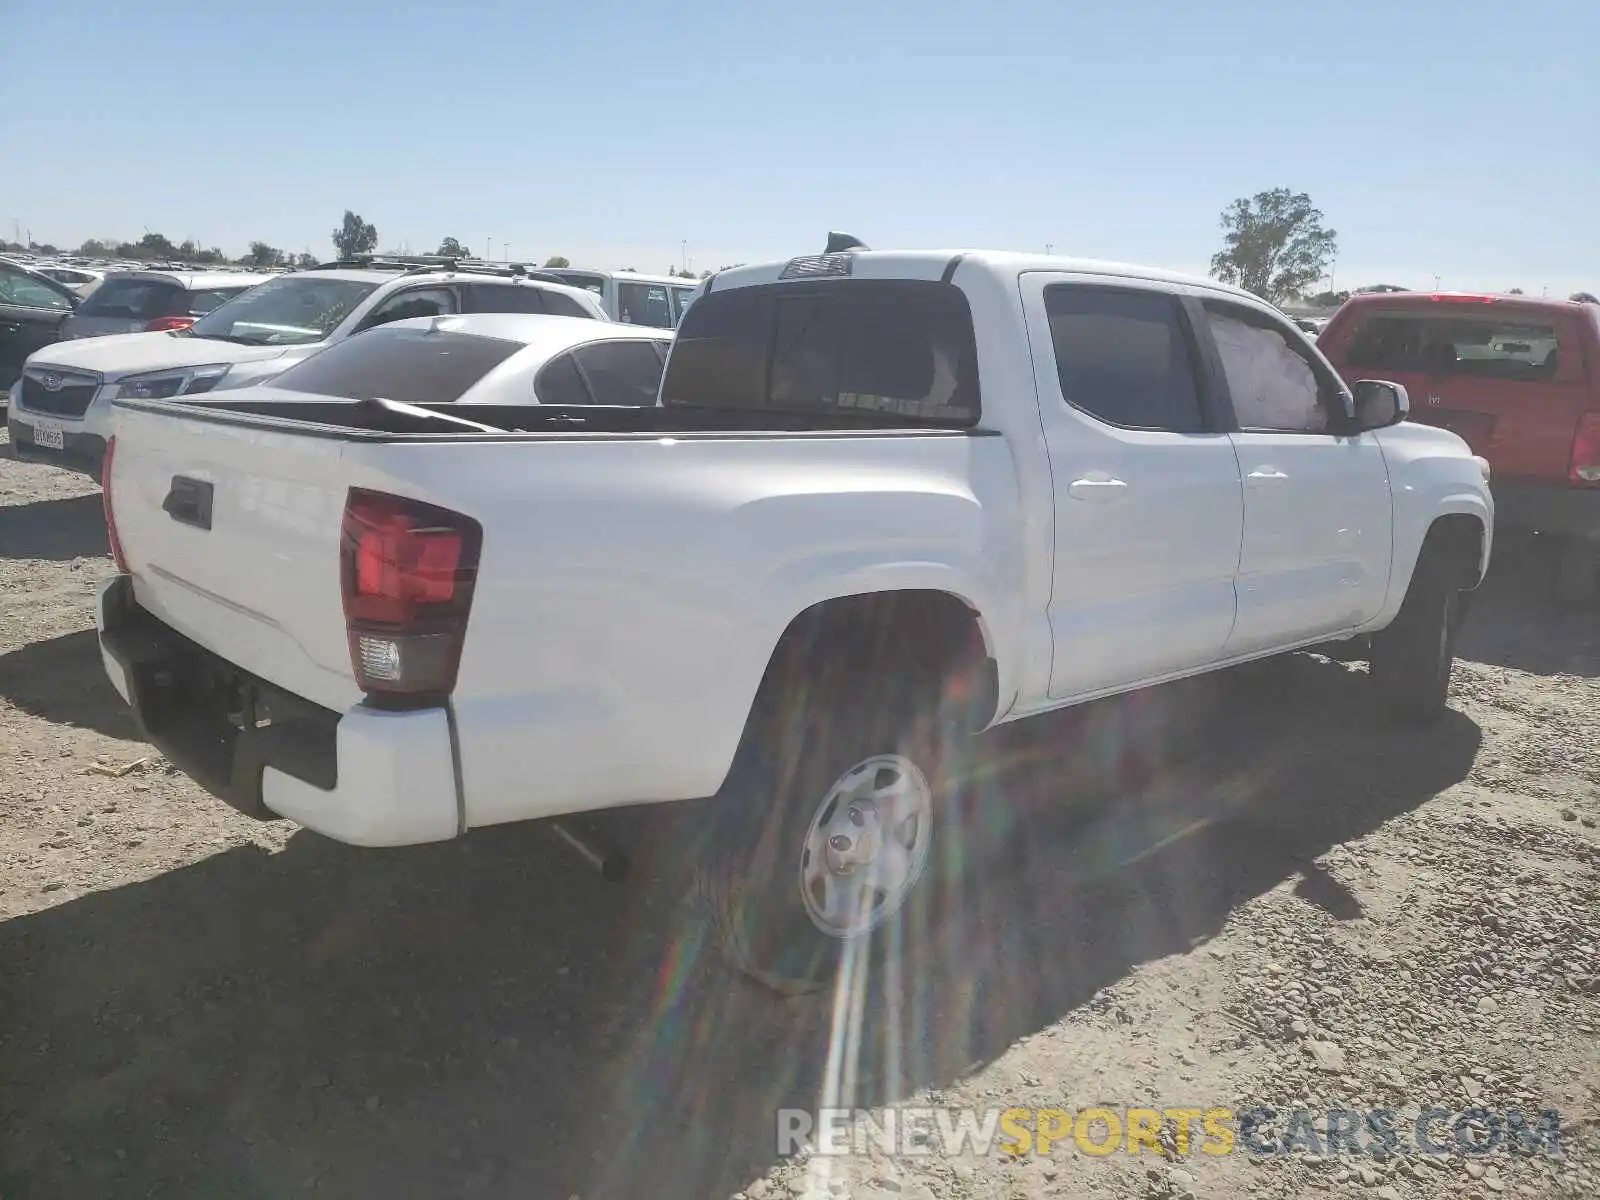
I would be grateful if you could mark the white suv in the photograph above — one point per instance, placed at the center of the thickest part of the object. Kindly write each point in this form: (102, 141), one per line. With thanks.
(61, 406)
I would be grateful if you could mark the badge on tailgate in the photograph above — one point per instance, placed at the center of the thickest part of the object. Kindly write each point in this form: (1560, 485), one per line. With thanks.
(189, 501)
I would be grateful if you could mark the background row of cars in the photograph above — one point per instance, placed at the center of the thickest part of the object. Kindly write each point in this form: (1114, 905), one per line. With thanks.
(39, 303)
(1517, 378)
(576, 336)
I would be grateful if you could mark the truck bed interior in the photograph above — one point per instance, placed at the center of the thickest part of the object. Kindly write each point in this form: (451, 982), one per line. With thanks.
(385, 420)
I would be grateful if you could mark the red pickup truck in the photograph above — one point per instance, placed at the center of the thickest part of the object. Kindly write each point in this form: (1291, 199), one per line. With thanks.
(1519, 379)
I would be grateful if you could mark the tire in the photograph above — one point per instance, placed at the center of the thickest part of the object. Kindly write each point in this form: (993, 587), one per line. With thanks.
(812, 752)
(1412, 659)
(1578, 573)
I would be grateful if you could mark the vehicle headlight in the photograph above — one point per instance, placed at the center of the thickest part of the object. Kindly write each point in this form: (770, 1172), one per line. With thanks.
(159, 385)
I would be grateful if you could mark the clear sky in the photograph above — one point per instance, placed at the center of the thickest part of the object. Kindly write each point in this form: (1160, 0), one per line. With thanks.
(1451, 137)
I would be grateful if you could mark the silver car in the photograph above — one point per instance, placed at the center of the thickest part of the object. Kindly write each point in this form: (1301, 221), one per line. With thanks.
(152, 301)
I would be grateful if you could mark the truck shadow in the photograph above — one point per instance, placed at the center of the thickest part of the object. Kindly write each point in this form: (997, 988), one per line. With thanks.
(56, 530)
(486, 1017)
(63, 680)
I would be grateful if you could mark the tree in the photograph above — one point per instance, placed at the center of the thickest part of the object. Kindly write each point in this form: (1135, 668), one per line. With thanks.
(451, 248)
(1274, 245)
(95, 248)
(1329, 299)
(354, 236)
(1515, 292)
(263, 255)
(1584, 298)
(304, 262)
(558, 261)
(157, 245)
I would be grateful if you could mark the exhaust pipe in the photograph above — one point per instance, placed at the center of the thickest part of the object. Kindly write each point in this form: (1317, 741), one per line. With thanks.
(596, 849)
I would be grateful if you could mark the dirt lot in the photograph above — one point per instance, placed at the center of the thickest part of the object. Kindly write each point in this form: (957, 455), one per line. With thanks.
(1287, 904)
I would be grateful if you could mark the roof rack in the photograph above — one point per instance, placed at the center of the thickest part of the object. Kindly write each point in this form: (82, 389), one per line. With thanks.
(424, 266)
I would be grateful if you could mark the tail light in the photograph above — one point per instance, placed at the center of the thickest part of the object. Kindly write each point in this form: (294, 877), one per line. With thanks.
(407, 571)
(166, 324)
(105, 499)
(1586, 450)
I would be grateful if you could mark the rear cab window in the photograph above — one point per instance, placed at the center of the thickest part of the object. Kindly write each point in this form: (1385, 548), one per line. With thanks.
(1463, 345)
(863, 347)
(411, 365)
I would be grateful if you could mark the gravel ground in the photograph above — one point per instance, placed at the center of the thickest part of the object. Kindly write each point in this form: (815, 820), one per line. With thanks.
(1287, 905)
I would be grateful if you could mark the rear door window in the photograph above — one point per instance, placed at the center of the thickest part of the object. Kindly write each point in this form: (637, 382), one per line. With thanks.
(565, 306)
(1123, 357)
(621, 372)
(137, 299)
(896, 347)
(502, 298)
(560, 382)
(415, 302)
(409, 364)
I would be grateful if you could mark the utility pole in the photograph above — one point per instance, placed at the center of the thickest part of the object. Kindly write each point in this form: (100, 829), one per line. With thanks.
(683, 254)
(1049, 247)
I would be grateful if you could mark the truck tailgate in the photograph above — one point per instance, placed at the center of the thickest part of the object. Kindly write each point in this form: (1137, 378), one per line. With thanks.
(232, 538)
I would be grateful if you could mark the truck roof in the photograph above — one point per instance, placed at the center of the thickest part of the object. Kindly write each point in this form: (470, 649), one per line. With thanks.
(934, 264)
(1493, 301)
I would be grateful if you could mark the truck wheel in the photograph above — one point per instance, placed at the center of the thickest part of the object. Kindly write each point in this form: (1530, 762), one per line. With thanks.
(824, 828)
(1412, 659)
(1578, 573)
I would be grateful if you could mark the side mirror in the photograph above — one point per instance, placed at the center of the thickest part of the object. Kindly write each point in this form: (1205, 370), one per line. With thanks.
(1380, 404)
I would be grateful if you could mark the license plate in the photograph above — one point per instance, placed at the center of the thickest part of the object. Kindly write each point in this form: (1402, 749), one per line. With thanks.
(48, 436)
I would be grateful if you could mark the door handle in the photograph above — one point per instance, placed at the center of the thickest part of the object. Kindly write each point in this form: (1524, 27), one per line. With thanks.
(1096, 489)
(1266, 473)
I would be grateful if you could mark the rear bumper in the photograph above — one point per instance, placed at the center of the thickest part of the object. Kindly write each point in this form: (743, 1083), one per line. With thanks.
(1554, 509)
(365, 776)
(79, 452)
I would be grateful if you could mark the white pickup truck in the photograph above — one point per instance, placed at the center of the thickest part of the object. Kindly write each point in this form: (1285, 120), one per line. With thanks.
(887, 499)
